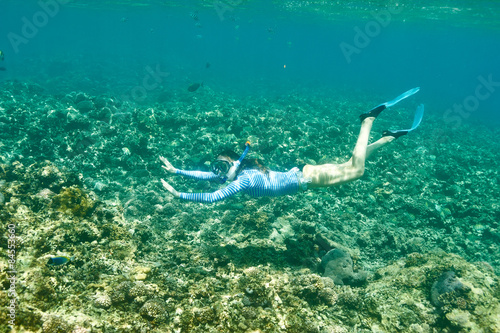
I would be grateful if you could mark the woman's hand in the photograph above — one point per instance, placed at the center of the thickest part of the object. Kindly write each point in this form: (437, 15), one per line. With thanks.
(169, 167)
(169, 188)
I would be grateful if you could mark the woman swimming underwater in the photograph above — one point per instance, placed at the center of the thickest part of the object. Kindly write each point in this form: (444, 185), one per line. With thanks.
(250, 177)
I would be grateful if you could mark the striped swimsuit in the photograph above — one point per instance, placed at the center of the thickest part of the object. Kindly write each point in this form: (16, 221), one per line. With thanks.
(252, 182)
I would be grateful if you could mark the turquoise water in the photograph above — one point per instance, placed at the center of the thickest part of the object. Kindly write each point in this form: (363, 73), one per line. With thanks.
(93, 92)
(247, 43)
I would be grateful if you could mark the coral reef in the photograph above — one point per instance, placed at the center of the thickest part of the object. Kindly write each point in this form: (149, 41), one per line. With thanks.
(153, 310)
(401, 296)
(73, 201)
(338, 266)
(444, 286)
(363, 257)
(102, 300)
(54, 324)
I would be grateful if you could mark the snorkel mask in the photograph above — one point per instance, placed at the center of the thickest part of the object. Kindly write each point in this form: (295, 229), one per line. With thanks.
(227, 170)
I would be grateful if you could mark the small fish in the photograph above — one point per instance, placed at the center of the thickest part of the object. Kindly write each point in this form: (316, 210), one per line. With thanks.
(3, 69)
(207, 65)
(1, 55)
(194, 87)
(58, 261)
(194, 15)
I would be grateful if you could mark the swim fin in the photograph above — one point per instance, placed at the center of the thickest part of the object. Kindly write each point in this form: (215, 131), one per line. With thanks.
(379, 108)
(419, 114)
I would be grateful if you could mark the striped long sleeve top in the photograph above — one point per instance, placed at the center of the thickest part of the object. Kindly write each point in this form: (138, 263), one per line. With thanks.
(252, 182)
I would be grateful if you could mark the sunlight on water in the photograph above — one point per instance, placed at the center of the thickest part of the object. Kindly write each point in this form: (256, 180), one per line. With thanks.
(460, 13)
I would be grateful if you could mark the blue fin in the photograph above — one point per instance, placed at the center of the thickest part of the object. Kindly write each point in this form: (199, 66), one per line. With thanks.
(401, 97)
(419, 114)
(381, 107)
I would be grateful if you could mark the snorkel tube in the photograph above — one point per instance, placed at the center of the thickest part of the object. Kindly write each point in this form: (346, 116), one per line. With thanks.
(231, 174)
(247, 148)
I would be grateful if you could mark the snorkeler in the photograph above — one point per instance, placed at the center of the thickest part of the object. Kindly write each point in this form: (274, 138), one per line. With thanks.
(253, 178)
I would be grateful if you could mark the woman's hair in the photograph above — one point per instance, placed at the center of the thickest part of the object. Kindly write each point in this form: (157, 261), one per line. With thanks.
(247, 163)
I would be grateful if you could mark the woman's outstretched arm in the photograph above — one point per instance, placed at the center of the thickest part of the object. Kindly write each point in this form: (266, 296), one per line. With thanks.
(238, 185)
(199, 175)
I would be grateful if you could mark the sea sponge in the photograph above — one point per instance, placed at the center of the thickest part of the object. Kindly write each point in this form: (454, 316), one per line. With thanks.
(204, 315)
(55, 324)
(120, 292)
(85, 106)
(447, 283)
(338, 266)
(140, 292)
(315, 289)
(153, 310)
(102, 300)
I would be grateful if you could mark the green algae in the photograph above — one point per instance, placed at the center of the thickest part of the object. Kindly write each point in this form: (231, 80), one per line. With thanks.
(73, 201)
